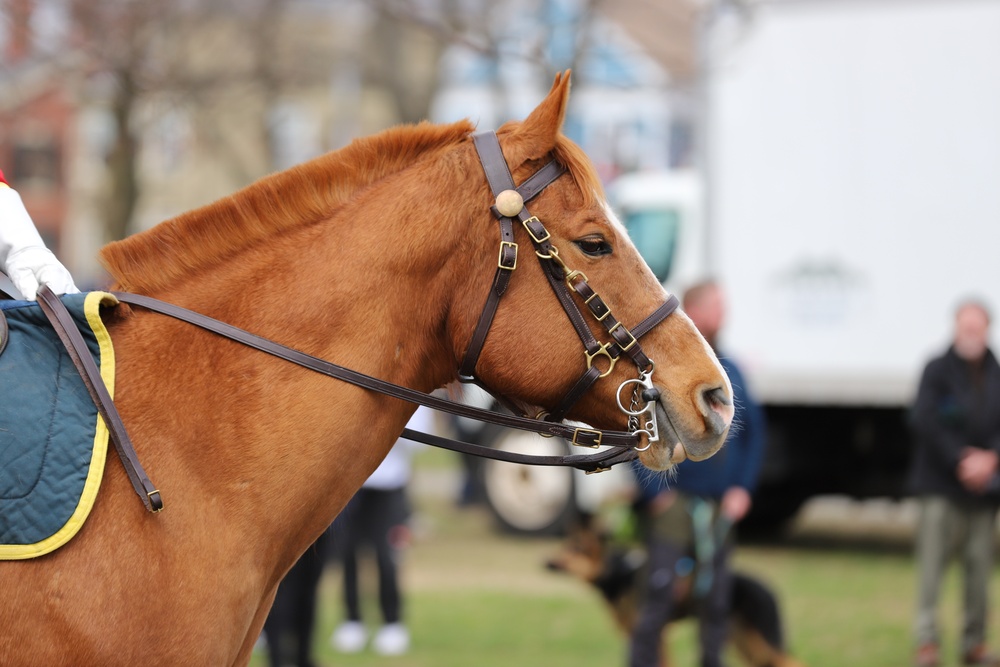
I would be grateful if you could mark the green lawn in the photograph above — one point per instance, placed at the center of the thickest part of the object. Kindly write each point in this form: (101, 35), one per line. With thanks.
(478, 598)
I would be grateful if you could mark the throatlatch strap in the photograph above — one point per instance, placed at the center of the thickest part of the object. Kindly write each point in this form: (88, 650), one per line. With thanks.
(76, 347)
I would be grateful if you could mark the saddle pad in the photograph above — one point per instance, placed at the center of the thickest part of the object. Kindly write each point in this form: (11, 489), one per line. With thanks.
(52, 441)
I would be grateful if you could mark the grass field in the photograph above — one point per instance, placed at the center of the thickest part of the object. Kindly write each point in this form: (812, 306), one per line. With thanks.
(477, 598)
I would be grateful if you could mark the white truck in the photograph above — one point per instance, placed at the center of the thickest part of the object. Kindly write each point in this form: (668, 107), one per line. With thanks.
(853, 199)
(850, 199)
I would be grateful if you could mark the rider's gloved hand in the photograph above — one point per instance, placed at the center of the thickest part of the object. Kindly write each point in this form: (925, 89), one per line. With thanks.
(23, 255)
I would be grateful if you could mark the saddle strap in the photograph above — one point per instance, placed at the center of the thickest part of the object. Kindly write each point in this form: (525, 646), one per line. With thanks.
(76, 347)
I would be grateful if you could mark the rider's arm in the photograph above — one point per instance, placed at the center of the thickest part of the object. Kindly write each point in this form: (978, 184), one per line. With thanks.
(23, 255)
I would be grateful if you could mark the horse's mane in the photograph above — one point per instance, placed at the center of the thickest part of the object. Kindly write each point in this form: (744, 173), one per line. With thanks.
(304, 194)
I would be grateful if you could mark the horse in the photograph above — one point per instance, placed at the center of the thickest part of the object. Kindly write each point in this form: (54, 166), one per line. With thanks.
(378, 257)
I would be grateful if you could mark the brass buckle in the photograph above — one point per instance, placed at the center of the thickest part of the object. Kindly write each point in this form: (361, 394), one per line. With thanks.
(578, 431)
(596, 470)
(591, 298)
(532, 234)
(571, 276)
(630, 345)
(500, 263)
(149, 496)
(602, 351)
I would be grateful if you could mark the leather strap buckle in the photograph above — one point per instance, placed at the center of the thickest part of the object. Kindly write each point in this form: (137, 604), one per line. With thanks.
(511, 262)
(598, 307)
(587, 432)
(628, 333)
(534, 236)
(573, 275)
(155, 503)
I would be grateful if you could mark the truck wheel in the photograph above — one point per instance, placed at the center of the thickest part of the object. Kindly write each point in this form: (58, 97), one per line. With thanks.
(529, 500)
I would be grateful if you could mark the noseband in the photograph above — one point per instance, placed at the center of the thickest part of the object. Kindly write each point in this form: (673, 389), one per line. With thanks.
(623, 445)
(510, 206)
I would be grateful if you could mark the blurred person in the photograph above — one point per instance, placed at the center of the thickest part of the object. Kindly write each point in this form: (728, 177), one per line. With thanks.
(688, 520)
(23, 255)
(956, 421)
(378, 515)
(288, 629)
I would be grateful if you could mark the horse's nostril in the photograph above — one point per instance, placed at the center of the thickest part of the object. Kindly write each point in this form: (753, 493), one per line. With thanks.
(718, 412)
(717, 397)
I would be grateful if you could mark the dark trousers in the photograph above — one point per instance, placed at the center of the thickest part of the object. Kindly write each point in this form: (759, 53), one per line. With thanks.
(371, 517)
(671, 556)
(290, 623)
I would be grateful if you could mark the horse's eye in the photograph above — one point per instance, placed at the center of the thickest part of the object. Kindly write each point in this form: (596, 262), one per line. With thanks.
(594, 246)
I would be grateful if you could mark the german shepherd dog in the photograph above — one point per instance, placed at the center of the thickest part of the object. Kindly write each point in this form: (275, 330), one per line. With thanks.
(755, 620)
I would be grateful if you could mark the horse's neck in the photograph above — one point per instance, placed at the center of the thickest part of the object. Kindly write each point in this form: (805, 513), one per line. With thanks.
(273, 438)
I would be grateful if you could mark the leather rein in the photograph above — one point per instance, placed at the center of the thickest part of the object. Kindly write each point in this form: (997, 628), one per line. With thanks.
(622, 445)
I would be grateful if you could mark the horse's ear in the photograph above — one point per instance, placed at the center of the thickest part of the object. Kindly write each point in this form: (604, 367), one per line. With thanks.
(536, 135)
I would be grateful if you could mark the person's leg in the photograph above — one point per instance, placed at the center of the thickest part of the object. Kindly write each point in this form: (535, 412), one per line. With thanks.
(713, 616)
(386, 521)
(657, 605)
(310, 567)
(288, 627)
(349, 534)
(934, 537)
(350, 636)
(977, 564)
(278, 626)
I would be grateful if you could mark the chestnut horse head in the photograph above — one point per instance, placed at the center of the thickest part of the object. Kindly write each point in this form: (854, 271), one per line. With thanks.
(533, 355)
(377, 257)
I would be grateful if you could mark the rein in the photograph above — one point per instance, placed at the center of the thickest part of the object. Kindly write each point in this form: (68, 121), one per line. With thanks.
(622, 445)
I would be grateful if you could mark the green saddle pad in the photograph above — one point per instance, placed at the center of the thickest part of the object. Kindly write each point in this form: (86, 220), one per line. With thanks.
(52, 441)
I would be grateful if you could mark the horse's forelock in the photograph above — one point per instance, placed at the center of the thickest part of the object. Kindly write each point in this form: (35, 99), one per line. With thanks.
(304, 194)
(581, 169)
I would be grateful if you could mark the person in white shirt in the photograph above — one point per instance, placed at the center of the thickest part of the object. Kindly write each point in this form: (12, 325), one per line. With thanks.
(23, 255)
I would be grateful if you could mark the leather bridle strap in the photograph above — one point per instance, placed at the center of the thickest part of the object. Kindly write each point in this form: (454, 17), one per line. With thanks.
(582, 436)
(499, 179)
(498, 176)
(76, 347)
(588, 463)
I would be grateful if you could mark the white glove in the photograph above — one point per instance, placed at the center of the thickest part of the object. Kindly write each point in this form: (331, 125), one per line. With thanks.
(23, 255)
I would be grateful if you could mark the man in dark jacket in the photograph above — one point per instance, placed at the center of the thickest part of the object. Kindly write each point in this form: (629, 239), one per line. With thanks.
(957, 426)
(687, 519)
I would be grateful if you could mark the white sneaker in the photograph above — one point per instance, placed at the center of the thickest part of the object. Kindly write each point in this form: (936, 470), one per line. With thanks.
(392, 639)
(349, 637)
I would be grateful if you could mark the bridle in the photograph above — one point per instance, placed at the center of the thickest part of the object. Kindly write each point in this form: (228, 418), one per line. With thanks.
(622, 446)
(510, 206)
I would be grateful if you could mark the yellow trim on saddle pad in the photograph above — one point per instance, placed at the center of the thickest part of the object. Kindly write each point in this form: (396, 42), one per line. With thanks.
(91, 307)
